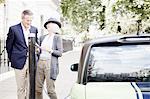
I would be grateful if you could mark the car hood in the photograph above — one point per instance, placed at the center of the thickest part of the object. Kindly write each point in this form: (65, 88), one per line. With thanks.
(116, 90)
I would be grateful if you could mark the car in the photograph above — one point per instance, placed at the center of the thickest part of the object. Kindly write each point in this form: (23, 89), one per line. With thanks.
(113, 68)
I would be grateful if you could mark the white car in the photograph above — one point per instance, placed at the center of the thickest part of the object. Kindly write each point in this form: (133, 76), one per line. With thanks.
(113, 68)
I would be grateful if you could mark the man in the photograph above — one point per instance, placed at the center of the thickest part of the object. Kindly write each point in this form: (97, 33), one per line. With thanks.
(48, 68)
(17, 49)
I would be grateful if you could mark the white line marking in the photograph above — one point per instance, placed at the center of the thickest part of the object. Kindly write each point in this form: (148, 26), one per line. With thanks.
(138, 90)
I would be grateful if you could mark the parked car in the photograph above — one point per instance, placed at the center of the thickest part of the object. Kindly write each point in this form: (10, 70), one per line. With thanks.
(113, 68)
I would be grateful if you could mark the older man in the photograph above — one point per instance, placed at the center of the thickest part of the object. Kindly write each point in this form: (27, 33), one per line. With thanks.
(48, 66)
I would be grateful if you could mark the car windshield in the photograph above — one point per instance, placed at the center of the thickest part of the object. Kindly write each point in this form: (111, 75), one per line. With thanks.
(127, 63)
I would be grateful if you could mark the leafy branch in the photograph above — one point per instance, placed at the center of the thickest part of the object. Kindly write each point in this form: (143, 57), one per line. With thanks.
(82, 13)
(140, 8)
(2, 1)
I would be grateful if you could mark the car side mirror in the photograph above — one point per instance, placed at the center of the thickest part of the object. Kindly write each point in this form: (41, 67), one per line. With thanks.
(74, 67)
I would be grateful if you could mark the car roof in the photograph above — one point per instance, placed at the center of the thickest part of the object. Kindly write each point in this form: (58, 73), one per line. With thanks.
(114, 38)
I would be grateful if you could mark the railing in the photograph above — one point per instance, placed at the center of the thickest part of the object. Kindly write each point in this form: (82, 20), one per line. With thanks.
(4, 64)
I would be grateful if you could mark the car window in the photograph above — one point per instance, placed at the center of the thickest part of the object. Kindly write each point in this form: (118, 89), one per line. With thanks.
(119, 63)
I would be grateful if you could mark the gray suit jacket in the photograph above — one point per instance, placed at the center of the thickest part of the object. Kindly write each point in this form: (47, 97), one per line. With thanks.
(57, 48)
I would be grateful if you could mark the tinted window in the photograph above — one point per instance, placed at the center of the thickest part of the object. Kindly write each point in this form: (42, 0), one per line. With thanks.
(120, 63)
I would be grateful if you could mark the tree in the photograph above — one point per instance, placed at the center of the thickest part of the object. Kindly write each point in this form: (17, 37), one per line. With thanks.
(138, 9)
(2, 1)
(81, 13)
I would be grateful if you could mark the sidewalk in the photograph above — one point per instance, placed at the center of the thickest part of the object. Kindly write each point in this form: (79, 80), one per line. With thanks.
(8, 88)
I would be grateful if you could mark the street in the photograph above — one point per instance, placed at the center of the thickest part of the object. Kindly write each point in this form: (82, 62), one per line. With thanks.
(66, 77)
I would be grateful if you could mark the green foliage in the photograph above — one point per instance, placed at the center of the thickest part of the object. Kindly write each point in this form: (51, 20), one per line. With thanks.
(2, 1)
(82, 13)
(136, 7)
(147, 30)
